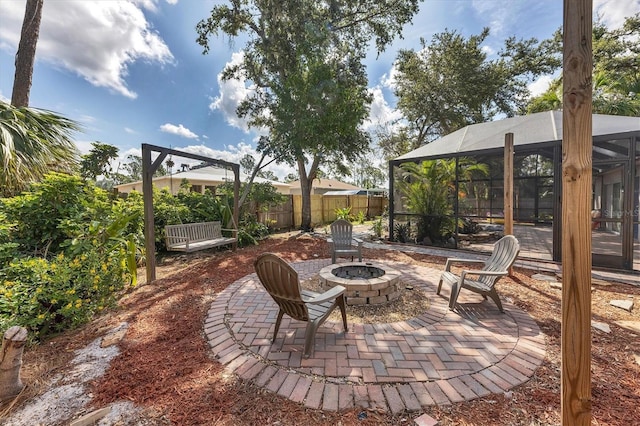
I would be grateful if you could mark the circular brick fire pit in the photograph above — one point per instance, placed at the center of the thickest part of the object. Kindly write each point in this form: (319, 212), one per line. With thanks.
(366, 283)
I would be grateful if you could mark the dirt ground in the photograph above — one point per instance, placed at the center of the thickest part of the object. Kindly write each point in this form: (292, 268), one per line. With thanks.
(164, 366)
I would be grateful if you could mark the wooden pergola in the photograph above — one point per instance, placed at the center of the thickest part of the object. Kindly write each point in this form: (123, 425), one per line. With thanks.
(149, 167)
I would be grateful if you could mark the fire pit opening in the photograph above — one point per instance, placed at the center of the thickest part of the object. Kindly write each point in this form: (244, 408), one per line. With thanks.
(366, 283)
(354, 272)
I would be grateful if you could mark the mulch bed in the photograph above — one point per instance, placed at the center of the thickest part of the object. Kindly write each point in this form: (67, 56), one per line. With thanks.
(166, 367)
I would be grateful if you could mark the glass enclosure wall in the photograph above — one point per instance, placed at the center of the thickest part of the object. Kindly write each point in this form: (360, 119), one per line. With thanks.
(467, 210)
(615, 203)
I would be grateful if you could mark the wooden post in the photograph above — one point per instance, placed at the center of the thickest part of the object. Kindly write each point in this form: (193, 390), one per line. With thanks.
(236, 201)
(149, 225)
(576, 203)
(11, 361)
(508, 184)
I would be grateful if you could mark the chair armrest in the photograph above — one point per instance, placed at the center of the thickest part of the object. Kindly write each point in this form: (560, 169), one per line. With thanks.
(327, 295)
(358, 240)
(230, 230)
(330, 240)
(456, 260)
(479, 272)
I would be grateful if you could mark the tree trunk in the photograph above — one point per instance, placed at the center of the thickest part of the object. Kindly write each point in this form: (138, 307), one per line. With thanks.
(26, 54)
(305, 187)
(10, 362)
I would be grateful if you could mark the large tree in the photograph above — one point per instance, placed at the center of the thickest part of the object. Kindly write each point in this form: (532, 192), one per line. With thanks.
(616, 71)
(32, 143)
(304, 60)
(452, 83)
(98, 161)
(26, 54)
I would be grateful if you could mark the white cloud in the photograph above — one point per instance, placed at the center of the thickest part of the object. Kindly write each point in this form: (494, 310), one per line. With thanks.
(172, 1)
(540, 85)
(496, 13)
(83, 146)
(614, 12)
(232, 92)
(179, 130)
(130, 131)
(381, 114)
(96, 39)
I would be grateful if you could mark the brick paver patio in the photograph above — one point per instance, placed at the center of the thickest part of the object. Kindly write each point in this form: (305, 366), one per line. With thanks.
(440, 357)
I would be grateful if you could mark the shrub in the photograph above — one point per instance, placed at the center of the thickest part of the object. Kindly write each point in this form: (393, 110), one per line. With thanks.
(51, 296)
(39, 212)
(376, 228)
(344, 213)
(72, 251)
(402, 232)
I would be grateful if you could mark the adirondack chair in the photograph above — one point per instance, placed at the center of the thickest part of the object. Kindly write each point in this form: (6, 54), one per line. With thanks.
(341, 240)
(505, 251)
(281, 282)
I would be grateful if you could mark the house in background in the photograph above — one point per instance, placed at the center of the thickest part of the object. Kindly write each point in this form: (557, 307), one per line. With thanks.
(322, 185)
(200, 180)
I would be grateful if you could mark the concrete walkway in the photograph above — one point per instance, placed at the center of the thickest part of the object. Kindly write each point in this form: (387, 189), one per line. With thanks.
(440, 357)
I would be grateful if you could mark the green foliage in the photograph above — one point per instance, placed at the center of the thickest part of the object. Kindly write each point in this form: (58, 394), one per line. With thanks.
(402, 232)
(377, 227)
(616, 79)
(450, 83)
(251, 231)
(49, 296)
(98, 161)
(360, 217)
(344, 213)
(428, 189)
(33, 142)
(39, 213)
(8, 248)
(305, 59)
(72, 251)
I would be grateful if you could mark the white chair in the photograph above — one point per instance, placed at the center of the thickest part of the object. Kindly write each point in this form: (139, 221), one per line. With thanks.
(340, 243)
(497, 265)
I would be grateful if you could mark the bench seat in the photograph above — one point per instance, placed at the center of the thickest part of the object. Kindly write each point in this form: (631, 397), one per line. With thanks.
(190, 237)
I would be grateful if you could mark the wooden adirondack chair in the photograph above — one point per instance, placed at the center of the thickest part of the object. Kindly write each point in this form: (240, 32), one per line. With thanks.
(505, 251)
(341, 240)
(281, 282)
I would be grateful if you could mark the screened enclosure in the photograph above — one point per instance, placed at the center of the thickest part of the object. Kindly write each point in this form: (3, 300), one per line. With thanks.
(450, 193)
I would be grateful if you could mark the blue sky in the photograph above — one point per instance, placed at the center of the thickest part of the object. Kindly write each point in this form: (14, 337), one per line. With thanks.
(131, 72)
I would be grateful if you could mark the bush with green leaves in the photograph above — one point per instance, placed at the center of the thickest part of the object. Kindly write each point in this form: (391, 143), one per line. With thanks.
(50, 296)
(72, 251)
(38, 214)
(344, 213)
(402, 232)
(377, 227)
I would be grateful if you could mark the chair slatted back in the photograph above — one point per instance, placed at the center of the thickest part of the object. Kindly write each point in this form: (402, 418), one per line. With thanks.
(342, 233)
(281, 282)
(505, 251)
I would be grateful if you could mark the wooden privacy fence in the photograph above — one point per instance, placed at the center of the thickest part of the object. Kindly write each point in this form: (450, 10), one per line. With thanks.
(279, 217)
(323, 209)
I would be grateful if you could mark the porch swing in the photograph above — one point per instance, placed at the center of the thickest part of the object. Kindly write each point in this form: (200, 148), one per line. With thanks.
(189, 237)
